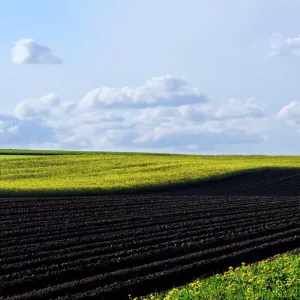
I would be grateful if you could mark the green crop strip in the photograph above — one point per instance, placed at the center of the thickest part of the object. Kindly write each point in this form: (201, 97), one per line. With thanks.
(274, 279)
(10, 157)
(56, 173)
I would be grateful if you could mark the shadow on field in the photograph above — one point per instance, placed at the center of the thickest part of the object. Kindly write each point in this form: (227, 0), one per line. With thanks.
(268, 182)
(259, 182)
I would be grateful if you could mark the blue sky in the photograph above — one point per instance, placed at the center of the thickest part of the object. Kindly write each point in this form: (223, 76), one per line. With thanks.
(167, 76)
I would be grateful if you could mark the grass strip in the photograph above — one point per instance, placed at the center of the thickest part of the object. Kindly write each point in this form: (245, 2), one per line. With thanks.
(277, 278)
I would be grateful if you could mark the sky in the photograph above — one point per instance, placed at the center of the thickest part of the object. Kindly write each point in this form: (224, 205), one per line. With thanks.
(193, 76)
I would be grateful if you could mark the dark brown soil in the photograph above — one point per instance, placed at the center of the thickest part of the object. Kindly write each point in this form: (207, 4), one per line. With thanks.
(109, 247)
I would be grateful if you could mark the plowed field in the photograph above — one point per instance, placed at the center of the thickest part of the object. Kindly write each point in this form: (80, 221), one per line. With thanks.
(109, 247)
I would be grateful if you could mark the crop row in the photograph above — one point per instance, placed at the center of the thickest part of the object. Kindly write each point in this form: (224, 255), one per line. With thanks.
(151, 237)
(58, 241)
(77, 248)
(99, 285)
(112, 246)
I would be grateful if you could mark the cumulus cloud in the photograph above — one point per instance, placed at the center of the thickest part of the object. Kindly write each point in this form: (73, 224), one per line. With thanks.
(279, 45)
(290, 113)
(236, 109)
(75, 143)
(29, 51)
(98, 118)
(165, 113)
(158, 91)
(42, 107)
(195, 137)
(156, 115)
(196, 112)
(232, 110)
(15, 132)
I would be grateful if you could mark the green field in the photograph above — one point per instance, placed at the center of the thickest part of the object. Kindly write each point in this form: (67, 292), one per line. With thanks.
(78, 173)
(5, 157)
(39, 152)
(272, 279)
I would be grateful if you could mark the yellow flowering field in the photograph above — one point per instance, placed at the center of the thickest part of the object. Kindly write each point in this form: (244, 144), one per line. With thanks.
(51, 173)
(273, 279)
(5, 157)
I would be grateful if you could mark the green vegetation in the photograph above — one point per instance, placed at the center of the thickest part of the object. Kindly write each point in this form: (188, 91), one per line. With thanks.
(50, 173)
(69, 152)
(272, 279)
(5, 157)
(4, 152)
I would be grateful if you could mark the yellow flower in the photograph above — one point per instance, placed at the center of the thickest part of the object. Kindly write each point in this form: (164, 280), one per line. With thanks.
(288, 284)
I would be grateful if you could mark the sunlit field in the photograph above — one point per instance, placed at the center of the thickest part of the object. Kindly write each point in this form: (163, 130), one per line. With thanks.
(12, 157)
(51, 173)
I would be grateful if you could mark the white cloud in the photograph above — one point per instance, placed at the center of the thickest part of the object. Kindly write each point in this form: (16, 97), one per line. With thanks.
(165, 114)
(156, 115)
(28, 51)
(236, 109)
(290, 113)
(75, 143)
(96, 118)
(42, 107)
(158, 91)
(195, 137)
(284, 46)
(195, 112)
(15, 132)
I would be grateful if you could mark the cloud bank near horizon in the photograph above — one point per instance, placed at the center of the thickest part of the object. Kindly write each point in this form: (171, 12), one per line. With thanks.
(164, 114)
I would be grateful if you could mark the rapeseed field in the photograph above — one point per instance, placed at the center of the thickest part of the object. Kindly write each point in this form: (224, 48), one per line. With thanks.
(56, 173)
